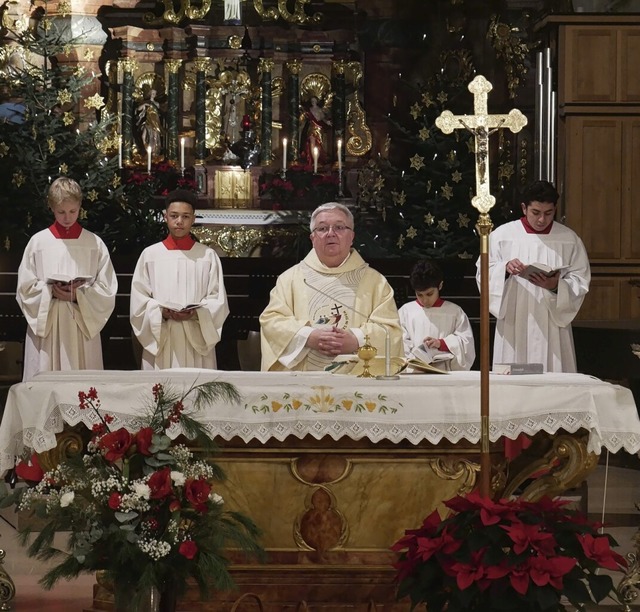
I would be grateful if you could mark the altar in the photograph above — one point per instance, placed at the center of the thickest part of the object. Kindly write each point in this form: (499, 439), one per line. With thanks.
(333, 468)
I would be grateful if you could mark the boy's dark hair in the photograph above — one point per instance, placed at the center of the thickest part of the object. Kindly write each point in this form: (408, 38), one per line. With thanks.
(540, 191)
(425, 274)
(181, 195)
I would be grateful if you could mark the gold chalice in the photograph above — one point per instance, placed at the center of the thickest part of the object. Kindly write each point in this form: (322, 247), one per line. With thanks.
(366, 352)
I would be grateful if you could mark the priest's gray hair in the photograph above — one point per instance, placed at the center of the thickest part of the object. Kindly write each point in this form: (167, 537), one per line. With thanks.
(63, 188)
(331, 206)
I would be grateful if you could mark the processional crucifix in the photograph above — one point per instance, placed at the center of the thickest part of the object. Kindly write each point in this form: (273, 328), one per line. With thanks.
(482, 125)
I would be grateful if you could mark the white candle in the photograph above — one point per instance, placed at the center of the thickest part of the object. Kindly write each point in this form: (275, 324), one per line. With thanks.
(182, 153)
(315, 160)
(148, 160)
(339, 154)
(284, 153)
(120, 151)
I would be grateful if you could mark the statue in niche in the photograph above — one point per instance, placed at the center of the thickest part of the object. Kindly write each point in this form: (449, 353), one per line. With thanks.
(148, 122)
(232, 12)
(315, 119)
(247, 149)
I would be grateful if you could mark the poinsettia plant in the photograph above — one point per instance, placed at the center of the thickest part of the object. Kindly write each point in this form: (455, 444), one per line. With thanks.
(505, 555)
(139, 505)
(297, 189)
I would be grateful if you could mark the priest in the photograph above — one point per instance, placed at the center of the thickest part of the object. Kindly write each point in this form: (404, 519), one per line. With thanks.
(66, 289)
(534, 315)
(178, 298)
(326, 305)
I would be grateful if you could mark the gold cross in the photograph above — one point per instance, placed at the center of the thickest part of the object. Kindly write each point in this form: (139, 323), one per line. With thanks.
(481, 125)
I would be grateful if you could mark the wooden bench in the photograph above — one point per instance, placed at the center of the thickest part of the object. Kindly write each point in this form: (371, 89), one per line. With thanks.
(248, 282)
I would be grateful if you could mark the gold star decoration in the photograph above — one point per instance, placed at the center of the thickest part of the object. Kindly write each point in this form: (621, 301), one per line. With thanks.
(424, 134)
(68, 118)
(456, 177)
(400, 243)
(18, 178)
(79, 71)
(92, 196)
(443, 224)
(412, 232)
(46, 24)
(64, 8)
(83, 214)
(505, 171)
(417, 162)
(451, 157)
(379, 184)
(88, 55)
(429, 219)
(463, 220)
(4, 148)
(465, 255)
(399, 198)
(51, 143)
(115, 182)
(442, 97)
(416, 111)
(427, 100)
(64, 96)
(447, 191)
(471, 145)
(95, 101)
(64, 169)
(67, 49)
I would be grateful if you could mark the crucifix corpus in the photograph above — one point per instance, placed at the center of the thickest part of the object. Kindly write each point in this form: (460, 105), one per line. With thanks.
(481, 124)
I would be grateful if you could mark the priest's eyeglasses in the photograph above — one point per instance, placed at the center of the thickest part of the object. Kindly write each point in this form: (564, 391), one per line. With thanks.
(323, 230)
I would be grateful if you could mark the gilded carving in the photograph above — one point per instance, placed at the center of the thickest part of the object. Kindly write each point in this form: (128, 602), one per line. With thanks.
(294, 66)
(235, 42)
(69, 444)
(241, 240)
(128, 64)
(297, 16)
(359, 141)
(7, 587)
(265, 65)
(457, 469)
(173, 65)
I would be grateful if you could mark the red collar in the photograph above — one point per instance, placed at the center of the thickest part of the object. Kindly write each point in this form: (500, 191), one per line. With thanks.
(71, 233)
(439, 302)
(178, 244)
(531, 230)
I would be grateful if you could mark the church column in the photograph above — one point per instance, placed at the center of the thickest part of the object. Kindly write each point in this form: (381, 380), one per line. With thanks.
(173, 110)
(339, 105)
(265, 67)
(293, 108)
(129, 65)
(202, 65)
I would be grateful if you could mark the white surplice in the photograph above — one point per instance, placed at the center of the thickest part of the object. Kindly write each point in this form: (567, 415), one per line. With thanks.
(191, 276)
(446, 322)
(65, 335)
(534, 324)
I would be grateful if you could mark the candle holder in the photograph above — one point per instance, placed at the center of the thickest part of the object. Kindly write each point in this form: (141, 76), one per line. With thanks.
(340, 190)
(283, 174)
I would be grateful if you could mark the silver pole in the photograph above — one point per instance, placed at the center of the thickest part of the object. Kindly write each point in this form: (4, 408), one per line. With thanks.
(539, 116)
(548, 86)
(552, 140)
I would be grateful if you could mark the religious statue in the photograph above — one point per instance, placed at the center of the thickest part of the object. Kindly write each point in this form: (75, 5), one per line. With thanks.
(313, 135)
(232, 12)
(148, 122)
(247, 149)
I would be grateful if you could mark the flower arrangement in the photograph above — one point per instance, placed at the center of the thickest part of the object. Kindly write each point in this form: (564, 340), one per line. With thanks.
(505, 555)
(138, 505)
(298, 189)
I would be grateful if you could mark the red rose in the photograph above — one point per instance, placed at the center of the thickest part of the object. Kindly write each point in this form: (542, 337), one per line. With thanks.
(114, 500)
(174, 506)
(116, 444)
(160, 483)
(143, 440)
(188, 549)
(197, 492)
(30, 471)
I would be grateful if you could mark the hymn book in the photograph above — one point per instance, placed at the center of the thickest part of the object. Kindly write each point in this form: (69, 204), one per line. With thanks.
(179, 307)
(66, 278)
(539, 268)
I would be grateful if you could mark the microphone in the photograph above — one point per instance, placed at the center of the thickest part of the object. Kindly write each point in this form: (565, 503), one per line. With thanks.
(387, 337)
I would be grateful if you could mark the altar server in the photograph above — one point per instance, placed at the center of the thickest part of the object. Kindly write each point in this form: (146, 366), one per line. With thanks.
(178, 299)
(534, 316)
(326, 304)
(439, 324)
(66, 289)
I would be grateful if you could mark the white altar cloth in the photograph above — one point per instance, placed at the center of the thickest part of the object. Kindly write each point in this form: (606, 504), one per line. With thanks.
(277, 405)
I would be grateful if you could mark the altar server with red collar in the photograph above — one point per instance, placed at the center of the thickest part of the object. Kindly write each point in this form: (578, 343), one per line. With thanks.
(439, 324)
(66, 289)
(534, 316)
(178, 299)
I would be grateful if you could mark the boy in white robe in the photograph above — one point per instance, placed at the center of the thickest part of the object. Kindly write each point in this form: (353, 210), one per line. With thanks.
(534, 316)
(326, 305)
(65, 317)
(178, 299)
(439, 324)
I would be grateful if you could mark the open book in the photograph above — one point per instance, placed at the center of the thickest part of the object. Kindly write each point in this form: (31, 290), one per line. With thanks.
(429, 355)
(350, 364)
(179, 307)
(66, 278)
(539, 268)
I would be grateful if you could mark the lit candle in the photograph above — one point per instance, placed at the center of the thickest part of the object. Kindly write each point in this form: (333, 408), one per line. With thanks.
(339, 154)
(149, 160)
(315, 160)
(182, 153)
(284, 153)
(120, 151)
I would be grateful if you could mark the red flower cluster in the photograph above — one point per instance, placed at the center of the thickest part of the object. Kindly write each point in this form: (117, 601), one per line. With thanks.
(524, 555)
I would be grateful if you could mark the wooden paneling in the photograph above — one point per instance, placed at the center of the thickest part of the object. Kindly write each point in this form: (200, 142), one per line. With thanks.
(602, 301)
(628, 73)
(631, 189)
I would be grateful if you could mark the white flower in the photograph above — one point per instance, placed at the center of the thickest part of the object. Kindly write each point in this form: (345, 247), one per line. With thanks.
(142, 490)
(178, 478)
(66, 498)
(215, 498)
